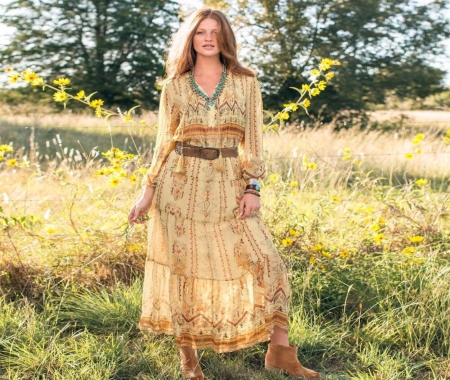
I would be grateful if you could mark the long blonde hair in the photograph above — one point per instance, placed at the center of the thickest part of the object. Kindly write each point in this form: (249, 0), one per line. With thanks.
(182, 56)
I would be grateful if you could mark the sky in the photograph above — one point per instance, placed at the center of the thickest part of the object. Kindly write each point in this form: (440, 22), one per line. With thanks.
(442, 62)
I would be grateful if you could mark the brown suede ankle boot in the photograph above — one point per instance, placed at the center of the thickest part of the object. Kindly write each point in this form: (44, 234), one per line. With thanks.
(283, 358)
(190, 367)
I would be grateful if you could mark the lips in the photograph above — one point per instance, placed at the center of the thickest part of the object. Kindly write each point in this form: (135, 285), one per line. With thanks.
(208, 46)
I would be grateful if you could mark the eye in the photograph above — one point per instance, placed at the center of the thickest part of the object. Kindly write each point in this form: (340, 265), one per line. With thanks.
(199, 33)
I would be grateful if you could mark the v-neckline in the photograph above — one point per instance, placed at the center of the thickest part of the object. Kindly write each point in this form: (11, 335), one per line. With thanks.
(201, 88)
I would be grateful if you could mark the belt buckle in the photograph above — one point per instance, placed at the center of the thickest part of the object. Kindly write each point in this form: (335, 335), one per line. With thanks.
(200, 154)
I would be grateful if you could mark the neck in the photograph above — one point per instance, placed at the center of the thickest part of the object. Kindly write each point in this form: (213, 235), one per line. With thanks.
(207, 65)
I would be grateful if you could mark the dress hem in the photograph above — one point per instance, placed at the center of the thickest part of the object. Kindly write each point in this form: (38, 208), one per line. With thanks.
(220, 345)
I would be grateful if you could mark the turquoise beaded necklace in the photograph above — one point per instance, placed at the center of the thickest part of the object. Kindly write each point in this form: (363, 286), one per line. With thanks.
(209, 101)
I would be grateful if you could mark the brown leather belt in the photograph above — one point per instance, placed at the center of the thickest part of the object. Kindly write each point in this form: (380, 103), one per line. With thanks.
(205, 152)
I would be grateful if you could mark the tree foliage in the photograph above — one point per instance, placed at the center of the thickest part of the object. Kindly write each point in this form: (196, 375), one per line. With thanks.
(385, 47)
(114, 47)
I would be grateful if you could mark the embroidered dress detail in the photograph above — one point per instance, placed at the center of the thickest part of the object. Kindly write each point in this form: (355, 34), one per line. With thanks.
(212, 279)
(213, 100)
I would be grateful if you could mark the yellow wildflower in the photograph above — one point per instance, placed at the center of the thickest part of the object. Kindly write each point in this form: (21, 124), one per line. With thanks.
(421, 182)
(8, 69)
(6, 148)
(325, 64)
(326, 254)
(12, 162)
(50, 230)
(305, 87)
(294, 183)
(292, 106)
(282, 115)
(416, 239)
(409, 156)
(100, 172)
(347, 157)
(142, 122)
(114, 181)
(275, 127)
(264, 127)
(14, 78)
(315, 72)
(315, 91)
(133, 247)
(409, 251)
(287, 242)
(293, 232)
(329, 75)
(317, 247)
(62, 81)
(448, 132)
(98, 112)
(312, 166)
(96, 103)
(419, 137)
(81, 94)
(378, 238)
(132, 178)
(346, 150)
(274, 177)
(126, 117)
(39, 81)
(335, 199)
(322, 85)
(305, 159)
(344, 253)
(29, 76)
(59, 96)
(419, 151)
(306, 103)
(375, 227)
(312, 260)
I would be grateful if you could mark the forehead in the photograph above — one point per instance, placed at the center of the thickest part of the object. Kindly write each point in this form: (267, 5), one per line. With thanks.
(209, 23)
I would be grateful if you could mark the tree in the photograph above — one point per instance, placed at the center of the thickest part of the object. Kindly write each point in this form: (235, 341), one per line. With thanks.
(114, 47)
(385, 47)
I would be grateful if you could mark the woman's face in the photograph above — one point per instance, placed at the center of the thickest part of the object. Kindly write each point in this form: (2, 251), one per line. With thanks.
(205, 38)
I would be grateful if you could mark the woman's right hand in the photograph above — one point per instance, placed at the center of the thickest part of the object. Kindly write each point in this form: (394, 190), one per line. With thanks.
(140, 208)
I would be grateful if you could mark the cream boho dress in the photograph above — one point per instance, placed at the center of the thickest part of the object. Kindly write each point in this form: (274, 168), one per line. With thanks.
(211, 279)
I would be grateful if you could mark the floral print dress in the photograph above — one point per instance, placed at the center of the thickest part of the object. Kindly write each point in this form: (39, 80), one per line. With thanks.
(211, 279)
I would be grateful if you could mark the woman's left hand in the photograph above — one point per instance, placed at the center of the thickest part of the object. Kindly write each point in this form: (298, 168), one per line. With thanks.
(249, 205)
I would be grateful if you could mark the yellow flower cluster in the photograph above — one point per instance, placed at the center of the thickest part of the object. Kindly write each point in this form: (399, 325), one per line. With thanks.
(308, 165)
(417, 140)
(116, 172)
(421, 182)
(312, 89)
(4, 149)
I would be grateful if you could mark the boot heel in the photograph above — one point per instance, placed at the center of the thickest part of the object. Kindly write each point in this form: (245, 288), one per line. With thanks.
(273, 369)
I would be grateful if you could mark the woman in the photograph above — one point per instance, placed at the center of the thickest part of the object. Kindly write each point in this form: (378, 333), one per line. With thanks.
(213, 277)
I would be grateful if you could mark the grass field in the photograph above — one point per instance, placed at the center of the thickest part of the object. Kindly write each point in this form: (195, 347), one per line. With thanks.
(364, 231)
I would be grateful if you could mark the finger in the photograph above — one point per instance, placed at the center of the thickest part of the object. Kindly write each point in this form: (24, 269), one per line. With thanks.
(248, 212)
(131, 215)
(241, 207)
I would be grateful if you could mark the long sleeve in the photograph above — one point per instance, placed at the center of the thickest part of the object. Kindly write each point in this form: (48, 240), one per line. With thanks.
(168, 119)
(253, 165)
